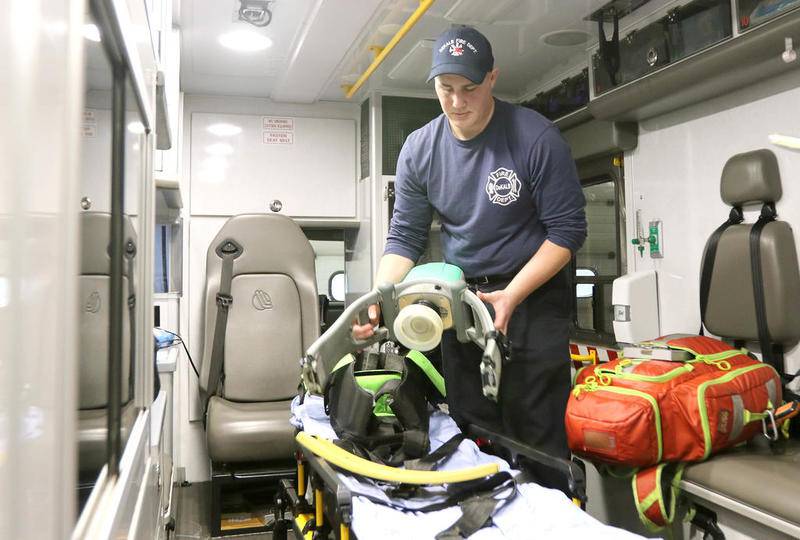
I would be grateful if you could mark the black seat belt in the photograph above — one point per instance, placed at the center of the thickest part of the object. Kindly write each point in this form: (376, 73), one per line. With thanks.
(771, 352)
(228, 250)
(707, 267)
(130, 255)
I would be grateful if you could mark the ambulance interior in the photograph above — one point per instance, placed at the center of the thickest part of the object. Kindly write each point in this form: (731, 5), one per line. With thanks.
(220, 119)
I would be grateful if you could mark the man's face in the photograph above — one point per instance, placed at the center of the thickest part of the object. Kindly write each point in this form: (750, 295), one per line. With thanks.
(467, 105)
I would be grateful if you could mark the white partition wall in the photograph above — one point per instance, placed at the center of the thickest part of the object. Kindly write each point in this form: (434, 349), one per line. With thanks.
(674, 175)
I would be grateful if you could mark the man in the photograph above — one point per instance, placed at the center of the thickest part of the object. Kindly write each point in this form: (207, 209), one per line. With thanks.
(512, 212)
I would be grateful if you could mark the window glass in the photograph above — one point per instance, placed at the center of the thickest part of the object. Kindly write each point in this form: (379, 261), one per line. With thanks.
(328, 260)
(167, 257)
(336, 286)
(598, 262)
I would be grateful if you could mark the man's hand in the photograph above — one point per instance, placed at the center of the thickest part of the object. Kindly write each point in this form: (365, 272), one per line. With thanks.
(364, 331)
(503, 304)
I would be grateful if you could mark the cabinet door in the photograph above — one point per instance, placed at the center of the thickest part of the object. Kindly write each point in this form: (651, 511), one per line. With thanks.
(242, 163)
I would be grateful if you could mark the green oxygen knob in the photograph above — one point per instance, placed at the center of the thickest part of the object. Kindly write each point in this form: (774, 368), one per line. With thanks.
(639, 246)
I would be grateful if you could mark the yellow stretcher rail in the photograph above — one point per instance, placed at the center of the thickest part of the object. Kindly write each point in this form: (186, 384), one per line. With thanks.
(344, 459)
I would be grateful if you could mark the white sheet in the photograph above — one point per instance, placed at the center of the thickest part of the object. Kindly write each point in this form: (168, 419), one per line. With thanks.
(536, 512)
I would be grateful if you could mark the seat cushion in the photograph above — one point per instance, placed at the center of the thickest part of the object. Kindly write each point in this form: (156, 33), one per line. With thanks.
(743, 475)
(92, 435)
(240, 432)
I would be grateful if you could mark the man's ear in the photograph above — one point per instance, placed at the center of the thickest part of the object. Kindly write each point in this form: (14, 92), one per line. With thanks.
(493, 77)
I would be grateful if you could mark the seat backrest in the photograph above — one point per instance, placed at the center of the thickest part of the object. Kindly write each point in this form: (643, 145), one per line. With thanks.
(274, 316)
(95, 294)
(753, 178)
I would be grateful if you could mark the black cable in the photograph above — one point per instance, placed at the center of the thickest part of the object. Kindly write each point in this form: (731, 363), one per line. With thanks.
(185, 349)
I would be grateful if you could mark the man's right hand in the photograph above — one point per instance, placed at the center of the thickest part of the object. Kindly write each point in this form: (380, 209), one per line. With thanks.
(365, 331)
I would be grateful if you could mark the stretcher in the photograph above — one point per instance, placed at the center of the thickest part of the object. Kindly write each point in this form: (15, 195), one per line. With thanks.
(338, 494)
(326, 501)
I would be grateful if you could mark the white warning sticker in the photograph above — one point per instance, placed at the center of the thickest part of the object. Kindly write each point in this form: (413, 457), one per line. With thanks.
(275, 123)
(278, 137)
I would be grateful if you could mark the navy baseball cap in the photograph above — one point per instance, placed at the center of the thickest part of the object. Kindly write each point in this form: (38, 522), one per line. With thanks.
(462, 51)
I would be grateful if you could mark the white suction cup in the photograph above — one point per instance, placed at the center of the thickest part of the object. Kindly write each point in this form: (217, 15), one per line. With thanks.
(418, 327)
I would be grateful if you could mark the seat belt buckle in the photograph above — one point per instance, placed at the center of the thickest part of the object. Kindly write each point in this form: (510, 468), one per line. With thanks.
(224, 300)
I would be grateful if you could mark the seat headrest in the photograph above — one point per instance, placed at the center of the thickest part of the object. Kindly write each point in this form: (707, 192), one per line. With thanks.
(271, 243)
(95, 230)
(751, 177)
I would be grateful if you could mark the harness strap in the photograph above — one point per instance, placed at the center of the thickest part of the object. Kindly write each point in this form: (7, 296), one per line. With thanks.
(707, 267)
(771, 352)
(655, 492)
(438, 456)
(477, 510)
(228, 250)
(500, 486)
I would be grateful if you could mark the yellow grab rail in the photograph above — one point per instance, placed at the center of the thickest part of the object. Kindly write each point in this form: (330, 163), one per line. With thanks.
(590, 358)
(424, 5)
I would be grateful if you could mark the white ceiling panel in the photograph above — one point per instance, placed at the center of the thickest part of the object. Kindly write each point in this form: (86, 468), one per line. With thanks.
(321, 44)
(324, 41)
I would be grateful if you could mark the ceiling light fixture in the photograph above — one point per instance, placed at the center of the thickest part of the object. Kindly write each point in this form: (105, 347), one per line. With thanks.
(224, 130)
(245, 41)
(565, 38)
(91, 32)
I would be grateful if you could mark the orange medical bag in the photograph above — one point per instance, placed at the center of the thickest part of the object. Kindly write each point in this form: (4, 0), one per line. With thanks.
(641, 413)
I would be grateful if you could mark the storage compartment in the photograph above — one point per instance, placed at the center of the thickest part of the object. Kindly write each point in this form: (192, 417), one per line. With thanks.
(566, 98)
(752, 13)
(643, 51)
(680, 33)
(698, 25)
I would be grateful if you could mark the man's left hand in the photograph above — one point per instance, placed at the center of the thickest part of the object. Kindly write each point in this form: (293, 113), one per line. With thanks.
(503, 305)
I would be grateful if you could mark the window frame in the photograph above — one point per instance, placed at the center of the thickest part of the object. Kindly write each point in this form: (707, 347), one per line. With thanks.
(591, 173)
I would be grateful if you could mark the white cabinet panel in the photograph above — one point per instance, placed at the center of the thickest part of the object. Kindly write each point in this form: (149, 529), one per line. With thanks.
(95, 176)
(240, 163)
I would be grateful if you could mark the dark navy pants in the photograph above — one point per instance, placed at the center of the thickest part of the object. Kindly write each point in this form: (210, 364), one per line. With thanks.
(535, 383)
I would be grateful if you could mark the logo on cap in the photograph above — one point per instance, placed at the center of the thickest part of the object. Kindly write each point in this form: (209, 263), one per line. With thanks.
(503, 186)
(456, 47)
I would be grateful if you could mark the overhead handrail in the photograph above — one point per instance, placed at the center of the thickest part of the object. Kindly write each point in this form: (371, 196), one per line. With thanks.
(410, 22)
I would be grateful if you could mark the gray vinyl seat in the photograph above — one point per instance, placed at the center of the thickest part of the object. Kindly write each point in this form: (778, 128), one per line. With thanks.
(753, 178)
(94, 294)
(273, 318)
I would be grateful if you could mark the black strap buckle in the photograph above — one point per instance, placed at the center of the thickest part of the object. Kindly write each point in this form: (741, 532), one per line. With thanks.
(224, 300)
(132, 301)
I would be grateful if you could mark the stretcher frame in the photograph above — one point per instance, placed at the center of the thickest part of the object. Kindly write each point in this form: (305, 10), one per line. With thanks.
(332, 509)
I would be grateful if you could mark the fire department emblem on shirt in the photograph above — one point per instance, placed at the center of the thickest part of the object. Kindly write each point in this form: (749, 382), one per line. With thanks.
(503, 186)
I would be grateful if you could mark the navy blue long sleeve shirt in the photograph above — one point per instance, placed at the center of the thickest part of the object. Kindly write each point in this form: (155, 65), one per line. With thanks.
(499, 195)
